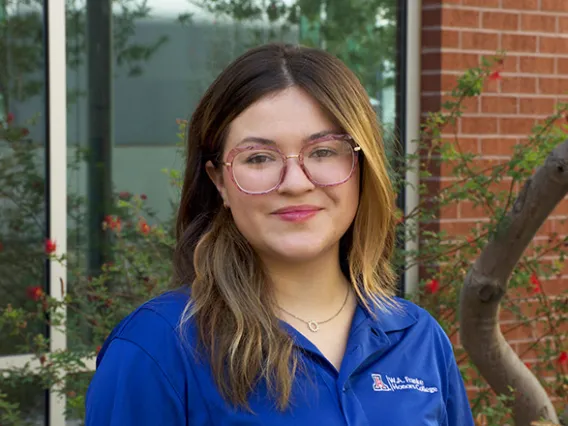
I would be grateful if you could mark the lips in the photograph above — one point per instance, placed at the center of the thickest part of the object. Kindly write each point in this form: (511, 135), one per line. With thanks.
(297, 209)
(297, 213)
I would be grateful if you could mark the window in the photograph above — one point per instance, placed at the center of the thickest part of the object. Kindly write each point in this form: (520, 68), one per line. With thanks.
(101, 130)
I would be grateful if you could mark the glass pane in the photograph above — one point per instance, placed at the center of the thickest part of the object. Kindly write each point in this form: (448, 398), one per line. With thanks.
(23, 402)
(75, 391)
(127, 107)
(22, 172)
(364, 36)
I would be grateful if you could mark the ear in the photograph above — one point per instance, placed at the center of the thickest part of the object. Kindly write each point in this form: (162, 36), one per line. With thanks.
(216, 176)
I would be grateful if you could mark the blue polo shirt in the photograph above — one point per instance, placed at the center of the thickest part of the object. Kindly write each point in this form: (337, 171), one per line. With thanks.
(398, 370)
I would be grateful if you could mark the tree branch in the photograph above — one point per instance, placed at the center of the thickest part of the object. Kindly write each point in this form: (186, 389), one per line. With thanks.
(486, 284)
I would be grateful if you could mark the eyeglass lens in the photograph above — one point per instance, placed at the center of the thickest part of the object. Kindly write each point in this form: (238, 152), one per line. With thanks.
(260, 169)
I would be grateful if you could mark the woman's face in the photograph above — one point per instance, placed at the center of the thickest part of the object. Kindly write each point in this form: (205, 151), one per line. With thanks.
(298, 221)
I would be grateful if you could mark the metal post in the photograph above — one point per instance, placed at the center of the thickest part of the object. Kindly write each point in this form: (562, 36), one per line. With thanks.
(56, 173)
(3, 111)
(412, 131)
(99, 65)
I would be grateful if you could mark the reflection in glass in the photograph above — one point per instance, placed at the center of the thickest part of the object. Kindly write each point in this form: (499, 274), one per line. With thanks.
(22, 168)
(126, 103)
(75, 389)
(27, 398)
(135, 71)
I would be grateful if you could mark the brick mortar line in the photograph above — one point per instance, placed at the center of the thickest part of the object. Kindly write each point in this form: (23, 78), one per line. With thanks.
(485, 136)
(477, 218)
(497, 116)
(501, 95)
(430, 50)
(504, 74)
(526, 340)
(544, 320)
(519, 32)
(503, 115)
(508, 94)
(447, 179)
(459, 220)
(499, 9)
(476, 136)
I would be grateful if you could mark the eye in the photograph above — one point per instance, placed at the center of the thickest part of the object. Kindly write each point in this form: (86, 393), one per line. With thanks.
(322, 153)
(258, 158)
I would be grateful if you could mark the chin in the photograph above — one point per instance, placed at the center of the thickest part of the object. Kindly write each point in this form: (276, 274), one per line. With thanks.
(297, 250)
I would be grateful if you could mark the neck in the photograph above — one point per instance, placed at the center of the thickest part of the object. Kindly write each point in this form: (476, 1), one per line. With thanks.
(313, 288)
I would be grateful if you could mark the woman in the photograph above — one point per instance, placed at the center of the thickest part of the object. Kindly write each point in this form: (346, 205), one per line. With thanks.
(284, 234)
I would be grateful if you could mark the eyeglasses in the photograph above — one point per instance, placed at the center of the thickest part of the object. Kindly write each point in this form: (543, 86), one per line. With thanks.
(260, 169)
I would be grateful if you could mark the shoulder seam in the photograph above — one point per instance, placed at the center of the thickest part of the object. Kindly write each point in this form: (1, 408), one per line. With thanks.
(149, 308)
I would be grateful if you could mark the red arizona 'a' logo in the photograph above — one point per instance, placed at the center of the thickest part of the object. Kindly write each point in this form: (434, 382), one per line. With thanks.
(378, 384)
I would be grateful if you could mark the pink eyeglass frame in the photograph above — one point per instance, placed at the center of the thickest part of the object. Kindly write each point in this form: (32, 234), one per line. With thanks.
(300, 156)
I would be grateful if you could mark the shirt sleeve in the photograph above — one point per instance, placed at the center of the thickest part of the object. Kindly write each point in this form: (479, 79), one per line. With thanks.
(458, 410)
(129, 388)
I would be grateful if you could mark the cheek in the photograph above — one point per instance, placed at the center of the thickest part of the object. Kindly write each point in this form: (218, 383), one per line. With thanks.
(347, 199)
(245, 209)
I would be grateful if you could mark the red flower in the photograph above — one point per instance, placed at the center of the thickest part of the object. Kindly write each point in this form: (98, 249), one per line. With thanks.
(495, 75)
(144, 227)
(528, 365)
(50, 246)
(432, 286)
(124, 195)
(25, 132)
(34, 293)
(112, 222)
(9, 118)
(143, 197)
(98, 349)
(536, 284)
(562, 358)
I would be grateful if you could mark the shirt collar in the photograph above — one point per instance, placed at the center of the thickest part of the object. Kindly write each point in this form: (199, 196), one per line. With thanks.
(388, 318)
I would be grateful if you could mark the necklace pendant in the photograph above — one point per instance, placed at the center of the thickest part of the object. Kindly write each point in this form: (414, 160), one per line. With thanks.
(313, 326)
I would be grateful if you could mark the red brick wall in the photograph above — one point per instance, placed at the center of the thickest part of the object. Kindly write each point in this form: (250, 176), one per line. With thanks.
(534, 33)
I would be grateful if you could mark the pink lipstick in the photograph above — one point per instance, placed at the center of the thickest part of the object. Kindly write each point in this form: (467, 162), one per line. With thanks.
(297, 213)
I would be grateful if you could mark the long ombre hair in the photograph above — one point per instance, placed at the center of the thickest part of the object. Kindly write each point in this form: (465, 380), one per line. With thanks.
(231, 305)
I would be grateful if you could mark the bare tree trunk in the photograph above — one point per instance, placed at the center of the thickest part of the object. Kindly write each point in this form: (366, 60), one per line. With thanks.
(486, 284)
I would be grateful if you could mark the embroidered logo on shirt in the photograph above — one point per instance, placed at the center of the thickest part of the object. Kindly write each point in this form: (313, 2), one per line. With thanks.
(396, 383)
(378, 384)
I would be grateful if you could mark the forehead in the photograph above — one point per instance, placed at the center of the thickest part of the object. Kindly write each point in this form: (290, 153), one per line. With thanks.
(286, 117)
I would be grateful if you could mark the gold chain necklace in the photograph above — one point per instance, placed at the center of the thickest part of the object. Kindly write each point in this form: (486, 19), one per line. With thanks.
(314, 326)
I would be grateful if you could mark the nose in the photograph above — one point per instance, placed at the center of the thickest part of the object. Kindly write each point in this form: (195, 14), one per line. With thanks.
(295, 180)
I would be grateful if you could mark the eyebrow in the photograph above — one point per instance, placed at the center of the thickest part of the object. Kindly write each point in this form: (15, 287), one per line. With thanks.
(312, 137)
